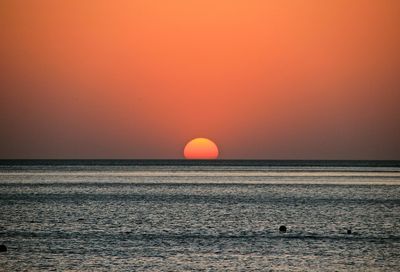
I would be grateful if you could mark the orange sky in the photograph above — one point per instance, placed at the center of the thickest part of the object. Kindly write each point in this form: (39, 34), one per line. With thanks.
(139, 79)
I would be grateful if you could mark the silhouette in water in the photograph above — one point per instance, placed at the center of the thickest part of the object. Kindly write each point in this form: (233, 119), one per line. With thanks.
(282, 228)
(3, 248)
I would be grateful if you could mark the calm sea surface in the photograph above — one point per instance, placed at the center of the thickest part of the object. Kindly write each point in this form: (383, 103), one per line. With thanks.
(171, 216)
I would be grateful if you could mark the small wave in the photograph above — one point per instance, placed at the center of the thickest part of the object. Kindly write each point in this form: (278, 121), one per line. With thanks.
(124, 235)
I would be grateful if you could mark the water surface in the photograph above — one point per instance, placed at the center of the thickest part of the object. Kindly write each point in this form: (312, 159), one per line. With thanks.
(173, 216)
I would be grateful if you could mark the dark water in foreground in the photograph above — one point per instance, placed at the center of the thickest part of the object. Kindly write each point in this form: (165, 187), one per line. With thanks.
(131, 216)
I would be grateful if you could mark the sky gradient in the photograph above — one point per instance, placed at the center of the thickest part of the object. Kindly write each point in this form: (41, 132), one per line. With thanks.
(139, 79)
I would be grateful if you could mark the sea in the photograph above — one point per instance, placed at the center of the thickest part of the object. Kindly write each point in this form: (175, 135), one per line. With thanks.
(177, 215)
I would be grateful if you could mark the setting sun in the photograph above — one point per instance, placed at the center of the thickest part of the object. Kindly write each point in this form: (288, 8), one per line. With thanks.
(201, 149)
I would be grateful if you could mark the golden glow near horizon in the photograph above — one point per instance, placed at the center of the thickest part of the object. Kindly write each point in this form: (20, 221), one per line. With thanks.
(268, 79)
(201, 149)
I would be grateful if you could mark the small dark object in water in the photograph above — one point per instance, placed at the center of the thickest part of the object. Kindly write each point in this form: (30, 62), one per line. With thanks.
(349, 231)
(282, 228)
(3, 248)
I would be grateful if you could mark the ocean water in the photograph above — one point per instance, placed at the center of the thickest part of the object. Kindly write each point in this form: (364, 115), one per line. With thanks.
(199, 216)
